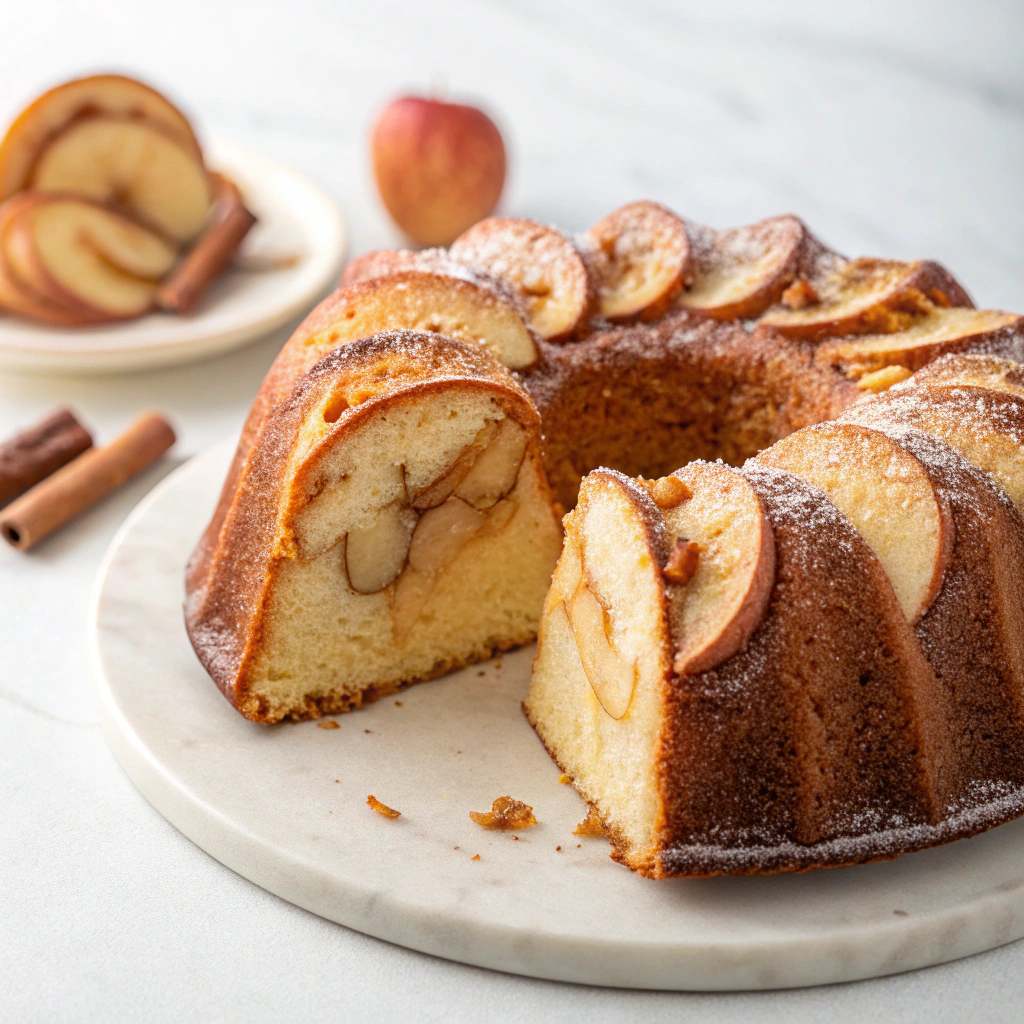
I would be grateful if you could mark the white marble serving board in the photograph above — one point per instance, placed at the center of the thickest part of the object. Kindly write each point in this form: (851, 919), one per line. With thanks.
(286, 808)
(296, 219)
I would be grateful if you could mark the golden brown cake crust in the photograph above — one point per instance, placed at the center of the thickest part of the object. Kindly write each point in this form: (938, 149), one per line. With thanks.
(811, 734)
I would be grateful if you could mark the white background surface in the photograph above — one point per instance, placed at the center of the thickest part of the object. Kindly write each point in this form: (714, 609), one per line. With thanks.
(893, 128)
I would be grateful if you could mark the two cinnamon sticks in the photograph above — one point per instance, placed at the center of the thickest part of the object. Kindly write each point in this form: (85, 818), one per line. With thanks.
(61, 474)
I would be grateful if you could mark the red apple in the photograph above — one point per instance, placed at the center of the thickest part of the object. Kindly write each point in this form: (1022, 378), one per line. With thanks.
(440, 167)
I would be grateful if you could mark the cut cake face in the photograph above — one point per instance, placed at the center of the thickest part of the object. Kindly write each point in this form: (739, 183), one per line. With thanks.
(405, 529)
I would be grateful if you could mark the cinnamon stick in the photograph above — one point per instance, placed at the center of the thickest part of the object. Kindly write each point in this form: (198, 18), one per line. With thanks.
(81, 483)
(40, 450)
(211, 254)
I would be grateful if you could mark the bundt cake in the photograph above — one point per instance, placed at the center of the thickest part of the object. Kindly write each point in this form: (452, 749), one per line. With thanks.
(804, 648)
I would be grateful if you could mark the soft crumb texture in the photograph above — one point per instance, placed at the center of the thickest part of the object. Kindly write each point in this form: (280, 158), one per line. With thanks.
(505, 813)
(328, 725)
(382, 809)
(591, 825)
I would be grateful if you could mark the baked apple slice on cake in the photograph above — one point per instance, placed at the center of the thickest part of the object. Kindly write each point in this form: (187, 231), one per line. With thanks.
(938, 331)
(740, 272)
(540, 264)
(392, 523)
(984, 424)
(886, 493)
(638, 257)
(862, 296)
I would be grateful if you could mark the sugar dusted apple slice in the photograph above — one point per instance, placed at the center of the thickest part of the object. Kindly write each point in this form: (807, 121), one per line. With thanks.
(715, 612)
(495, 469)
(886, 493)
(985, 425)
(863, 296)
(638, 257)
(937, 332)
(974, 370)
(88, 258)
(110, 95)
(541, 265)
(439, 490)
(412, 299)
(375, 554)
(139, 165)
(742, 271)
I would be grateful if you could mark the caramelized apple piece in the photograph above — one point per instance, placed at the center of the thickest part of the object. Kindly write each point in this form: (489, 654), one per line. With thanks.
(376, 554)
(886, 493)
(409, 595)
(936, 332)
(638, 256)
(494, 470)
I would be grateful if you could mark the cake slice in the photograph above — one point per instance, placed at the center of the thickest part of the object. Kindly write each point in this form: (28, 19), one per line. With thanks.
(812, 715)
(391, 522)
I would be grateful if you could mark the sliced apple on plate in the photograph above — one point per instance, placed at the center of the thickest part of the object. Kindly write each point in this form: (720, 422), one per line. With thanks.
(541, 265)
(18, 295)
(138, 165)
(638, 257)
(104, 95)
(886, 493)
(84, 257)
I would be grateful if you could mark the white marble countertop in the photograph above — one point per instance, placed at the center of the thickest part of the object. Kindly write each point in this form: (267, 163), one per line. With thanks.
(894, 128)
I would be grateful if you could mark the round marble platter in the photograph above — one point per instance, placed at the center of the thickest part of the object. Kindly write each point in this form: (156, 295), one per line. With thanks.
(289, 259)
(286, 808)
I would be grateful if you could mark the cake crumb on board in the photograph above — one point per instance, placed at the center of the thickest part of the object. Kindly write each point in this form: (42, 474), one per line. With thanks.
(505, 813)
(328, 725)
(382, 809)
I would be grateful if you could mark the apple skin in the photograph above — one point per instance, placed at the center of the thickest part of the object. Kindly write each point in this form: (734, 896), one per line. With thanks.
(440, 167)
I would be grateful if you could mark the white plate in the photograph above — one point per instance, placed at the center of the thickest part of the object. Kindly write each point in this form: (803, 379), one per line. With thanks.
(239, 307)
(285, 807)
